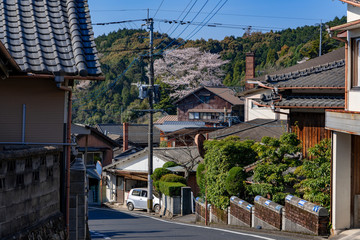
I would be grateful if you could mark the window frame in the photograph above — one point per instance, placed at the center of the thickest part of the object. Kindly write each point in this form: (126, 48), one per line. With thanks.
(355, 64)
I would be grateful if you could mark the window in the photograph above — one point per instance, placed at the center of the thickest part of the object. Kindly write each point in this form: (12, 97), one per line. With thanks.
(92, 158)
(144, 193)
(194, 115)
(136, 193)
(355, 62)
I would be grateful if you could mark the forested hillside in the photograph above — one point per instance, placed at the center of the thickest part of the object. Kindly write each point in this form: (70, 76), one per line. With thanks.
(122, 60)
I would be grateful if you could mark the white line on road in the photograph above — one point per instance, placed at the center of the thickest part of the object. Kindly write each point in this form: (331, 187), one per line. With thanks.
(189, 225)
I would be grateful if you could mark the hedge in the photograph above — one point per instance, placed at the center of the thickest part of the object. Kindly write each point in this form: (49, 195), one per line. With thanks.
(158, 173)
(173, 178)
(171, 188)
(170, 164)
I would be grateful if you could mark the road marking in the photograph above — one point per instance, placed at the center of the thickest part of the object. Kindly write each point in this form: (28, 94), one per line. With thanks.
(97, 234)
(189, 225)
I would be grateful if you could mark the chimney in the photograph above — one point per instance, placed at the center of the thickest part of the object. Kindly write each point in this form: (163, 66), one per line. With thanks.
(250, 69)
(125, 136)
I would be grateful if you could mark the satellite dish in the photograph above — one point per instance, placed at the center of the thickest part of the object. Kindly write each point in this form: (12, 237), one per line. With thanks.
(98, 168)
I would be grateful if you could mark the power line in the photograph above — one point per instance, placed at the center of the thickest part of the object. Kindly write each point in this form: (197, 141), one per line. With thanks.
(158, 8)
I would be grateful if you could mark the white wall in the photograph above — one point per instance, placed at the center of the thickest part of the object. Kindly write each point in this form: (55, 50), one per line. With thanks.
(253, 112)
(353, 13)
(341, 173)
(354, 101)
(110, 188)
(140, 164)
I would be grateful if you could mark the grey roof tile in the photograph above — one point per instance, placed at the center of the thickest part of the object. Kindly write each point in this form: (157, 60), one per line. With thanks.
(301, 101)
(49, 36)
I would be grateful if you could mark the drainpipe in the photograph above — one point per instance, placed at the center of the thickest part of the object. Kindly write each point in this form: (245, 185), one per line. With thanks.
(68, 156)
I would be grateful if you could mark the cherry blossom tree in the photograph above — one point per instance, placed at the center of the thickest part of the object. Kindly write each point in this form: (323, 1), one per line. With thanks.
(189, 68)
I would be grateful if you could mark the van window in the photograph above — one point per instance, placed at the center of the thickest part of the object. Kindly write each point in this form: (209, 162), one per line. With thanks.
(144, 194)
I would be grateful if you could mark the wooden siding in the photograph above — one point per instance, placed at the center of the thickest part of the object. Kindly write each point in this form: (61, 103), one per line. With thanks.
(310, 129)
(98, 142)
(193, 102)
(355, 177)
(44, 110)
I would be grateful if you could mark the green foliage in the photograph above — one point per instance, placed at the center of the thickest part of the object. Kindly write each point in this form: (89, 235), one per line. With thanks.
(173, 178)
(315, 175)
(234, 182)
(220, 157)
(158, 173)
(200, 178)
(171, 188)
(170, 164)
(271, 173)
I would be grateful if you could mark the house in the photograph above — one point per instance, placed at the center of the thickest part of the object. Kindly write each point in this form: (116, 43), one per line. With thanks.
(303, 92)
(345, 128)
(132, 170)
(212, 105)
(93, 147)
(137, 133)
(44, 48)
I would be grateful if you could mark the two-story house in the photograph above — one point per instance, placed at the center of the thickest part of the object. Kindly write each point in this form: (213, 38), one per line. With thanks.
(212, 105)
(345, 127)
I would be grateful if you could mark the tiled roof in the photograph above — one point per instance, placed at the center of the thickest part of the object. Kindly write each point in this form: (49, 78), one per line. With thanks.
(327, 75)
(253, 130)
(334, 56)
(138, 133)
(225, 93)
(167, 128)
(307, 101)
(168, 118)
(53, 36)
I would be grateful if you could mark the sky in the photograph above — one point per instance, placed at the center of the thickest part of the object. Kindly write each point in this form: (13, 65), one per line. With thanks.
(225, 17)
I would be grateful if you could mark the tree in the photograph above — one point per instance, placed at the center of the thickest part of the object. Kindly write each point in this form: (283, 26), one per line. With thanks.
(315, 175)
(220, 157)
(271, 174)
(189, 68)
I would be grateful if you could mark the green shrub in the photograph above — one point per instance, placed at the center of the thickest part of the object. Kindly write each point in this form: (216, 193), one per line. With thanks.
(171, 188)
(234, 182)
(173, 178)
(158, 173)
(170, 164)
(200, 177)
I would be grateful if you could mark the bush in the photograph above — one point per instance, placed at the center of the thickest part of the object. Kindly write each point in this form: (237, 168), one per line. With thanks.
(234, 182)
(158, 173)
(200, 177)
(171, 188)
(173, 178)
(170, 164)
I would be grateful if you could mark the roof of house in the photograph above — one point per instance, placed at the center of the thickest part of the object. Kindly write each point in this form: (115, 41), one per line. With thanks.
(167, 118)
(138, 133)
(328, 75)
(167, 128)
(334, 56)
(306, 101)
(225, 93)
(53, 36)
(253, 130)
(183, 155)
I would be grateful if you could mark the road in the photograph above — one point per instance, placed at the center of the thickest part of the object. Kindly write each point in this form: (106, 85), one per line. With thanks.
(112, 224)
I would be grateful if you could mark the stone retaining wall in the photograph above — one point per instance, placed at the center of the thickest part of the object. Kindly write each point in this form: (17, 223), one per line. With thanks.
(29, 188)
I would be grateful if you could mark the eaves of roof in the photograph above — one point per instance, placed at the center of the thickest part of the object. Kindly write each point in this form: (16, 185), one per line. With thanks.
(355, 3)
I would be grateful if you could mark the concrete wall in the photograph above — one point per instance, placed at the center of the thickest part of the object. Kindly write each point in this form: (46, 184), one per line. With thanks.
(341, 185)
(30, 186)
(44, 111)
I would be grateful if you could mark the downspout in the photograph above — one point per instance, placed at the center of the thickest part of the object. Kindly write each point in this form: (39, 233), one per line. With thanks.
(68, 156)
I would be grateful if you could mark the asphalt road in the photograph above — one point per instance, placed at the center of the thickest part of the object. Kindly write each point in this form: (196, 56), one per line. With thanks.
(112, 224)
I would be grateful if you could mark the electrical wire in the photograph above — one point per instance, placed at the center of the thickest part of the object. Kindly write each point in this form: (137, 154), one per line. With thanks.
(158, 8)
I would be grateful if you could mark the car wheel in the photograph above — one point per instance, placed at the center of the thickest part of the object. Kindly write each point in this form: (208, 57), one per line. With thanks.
(157, 208)
(130, 206)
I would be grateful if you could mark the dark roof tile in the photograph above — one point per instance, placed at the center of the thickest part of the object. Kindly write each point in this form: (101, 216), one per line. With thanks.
(55, 33)
(326, 101)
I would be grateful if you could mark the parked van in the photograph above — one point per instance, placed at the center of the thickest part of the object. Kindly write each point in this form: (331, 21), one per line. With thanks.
(138, 199)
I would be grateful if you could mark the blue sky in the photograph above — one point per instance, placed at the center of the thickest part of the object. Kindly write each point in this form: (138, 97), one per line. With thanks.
(231, 19)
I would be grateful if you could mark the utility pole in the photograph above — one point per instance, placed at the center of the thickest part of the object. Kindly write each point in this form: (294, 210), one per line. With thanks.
(320, 37)
(150, 24)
